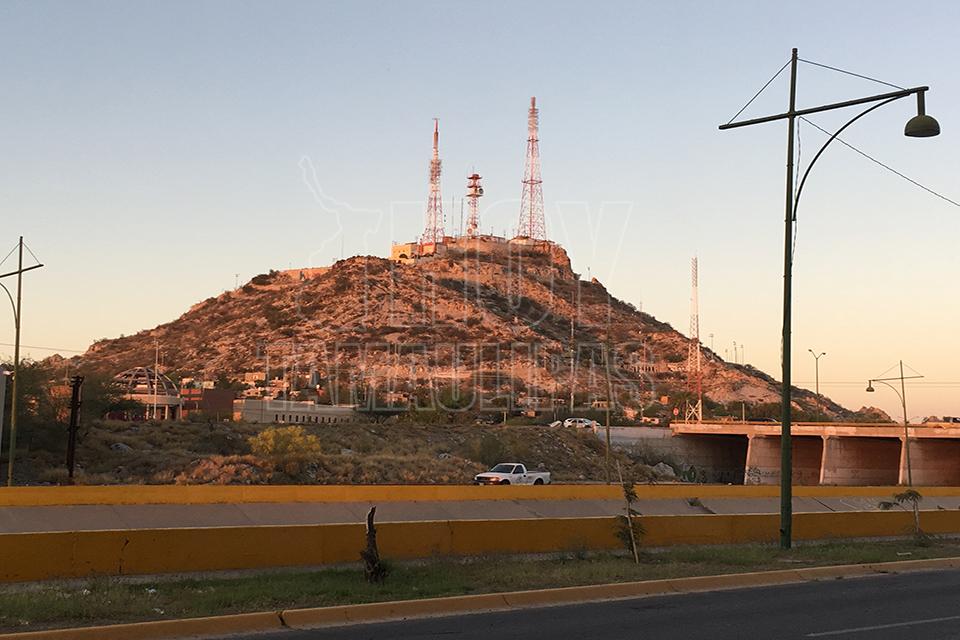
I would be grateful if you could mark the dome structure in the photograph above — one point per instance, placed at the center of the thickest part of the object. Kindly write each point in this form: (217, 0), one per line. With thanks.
(156, 392)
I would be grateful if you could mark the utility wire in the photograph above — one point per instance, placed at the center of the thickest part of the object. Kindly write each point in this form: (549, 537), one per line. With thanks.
(33, 346)
(9, 254)
(744, 108)
(887, 167)
(27, 247)
(850, 73)
(911, 369)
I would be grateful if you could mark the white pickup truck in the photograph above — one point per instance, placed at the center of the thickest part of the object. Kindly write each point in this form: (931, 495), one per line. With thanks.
(512, 473)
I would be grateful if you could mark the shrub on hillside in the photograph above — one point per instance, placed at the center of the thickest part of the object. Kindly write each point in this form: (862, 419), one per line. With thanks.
(288, 448)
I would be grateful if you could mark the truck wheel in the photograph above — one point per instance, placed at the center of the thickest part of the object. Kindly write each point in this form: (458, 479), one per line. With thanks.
(504, 482)
(538, 481)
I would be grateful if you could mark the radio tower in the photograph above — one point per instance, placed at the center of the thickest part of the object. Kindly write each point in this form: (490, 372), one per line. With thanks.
(474, 191)
(531, 202)
(694, 372)
(433, 230)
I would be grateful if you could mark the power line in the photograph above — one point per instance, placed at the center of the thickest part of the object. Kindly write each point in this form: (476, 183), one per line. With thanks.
(887, 167)
(33, 346)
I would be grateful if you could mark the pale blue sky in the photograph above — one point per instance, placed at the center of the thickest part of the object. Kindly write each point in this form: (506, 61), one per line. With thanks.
(150, 151)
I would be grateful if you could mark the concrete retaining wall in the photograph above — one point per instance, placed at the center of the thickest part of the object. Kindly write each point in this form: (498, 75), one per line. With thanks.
(40, 556)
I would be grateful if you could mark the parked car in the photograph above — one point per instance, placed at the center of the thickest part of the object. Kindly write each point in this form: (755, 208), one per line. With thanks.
(512, 473)
(580, 423)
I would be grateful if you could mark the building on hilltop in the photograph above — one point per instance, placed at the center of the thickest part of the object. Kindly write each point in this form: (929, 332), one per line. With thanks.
(156, 392)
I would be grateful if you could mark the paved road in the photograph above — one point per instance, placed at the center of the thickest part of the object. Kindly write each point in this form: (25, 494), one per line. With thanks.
(918, 606)
(165, 516)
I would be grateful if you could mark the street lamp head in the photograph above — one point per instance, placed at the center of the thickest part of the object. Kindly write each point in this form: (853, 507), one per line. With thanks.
(870, 387)
(921, 125)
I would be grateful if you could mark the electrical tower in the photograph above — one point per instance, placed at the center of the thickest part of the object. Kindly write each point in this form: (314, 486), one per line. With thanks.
(433, 230)
(694, 371)
(474, 191)
(531, 202)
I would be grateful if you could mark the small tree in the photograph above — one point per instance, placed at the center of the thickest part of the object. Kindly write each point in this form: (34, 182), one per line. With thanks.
(913, 498)
(630, 531)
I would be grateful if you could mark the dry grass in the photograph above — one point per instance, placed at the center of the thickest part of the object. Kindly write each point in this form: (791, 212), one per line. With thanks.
(105, 601)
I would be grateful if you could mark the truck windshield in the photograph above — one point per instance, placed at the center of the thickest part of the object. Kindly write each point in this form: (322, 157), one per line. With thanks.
(503, 468)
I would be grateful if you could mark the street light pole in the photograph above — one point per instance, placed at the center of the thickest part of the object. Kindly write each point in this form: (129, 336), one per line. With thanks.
(816, 357)
(903, 402)
(786, 444)
(16, 368)
(920, 126)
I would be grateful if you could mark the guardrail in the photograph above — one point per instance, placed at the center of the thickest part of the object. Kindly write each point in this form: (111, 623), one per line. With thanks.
(42, 556)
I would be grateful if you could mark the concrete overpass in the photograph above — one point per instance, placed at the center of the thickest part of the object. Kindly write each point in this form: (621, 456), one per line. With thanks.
(837, 453)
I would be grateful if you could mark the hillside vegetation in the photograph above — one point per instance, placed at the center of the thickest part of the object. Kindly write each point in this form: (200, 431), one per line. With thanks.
(492, 326)
(229, 453)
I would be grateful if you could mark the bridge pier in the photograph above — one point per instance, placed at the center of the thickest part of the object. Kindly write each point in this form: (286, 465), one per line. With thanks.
(763, 460)
(935, 462)
(854, 461)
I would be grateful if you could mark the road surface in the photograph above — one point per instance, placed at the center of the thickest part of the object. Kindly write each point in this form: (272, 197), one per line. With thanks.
(166, 516)
(918, 606)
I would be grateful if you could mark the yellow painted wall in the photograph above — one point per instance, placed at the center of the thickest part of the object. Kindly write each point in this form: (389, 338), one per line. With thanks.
(38, 556)
(215, 494)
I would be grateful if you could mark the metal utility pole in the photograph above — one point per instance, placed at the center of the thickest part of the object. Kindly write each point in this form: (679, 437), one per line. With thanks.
(606, 362)
(906, 431)
(76, 399)
(3, 401)
(532, 224)
(816, 358)
(906, 422)
(786, 441)
(920, 126)
(17, 317)
(573, 356)
(156, 374)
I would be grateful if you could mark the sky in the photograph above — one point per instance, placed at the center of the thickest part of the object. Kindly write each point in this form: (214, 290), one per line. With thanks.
(151, 154)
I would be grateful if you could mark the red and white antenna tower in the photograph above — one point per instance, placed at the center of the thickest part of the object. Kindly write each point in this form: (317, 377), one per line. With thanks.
(531, 202)
(694, 371)
(474, 191)
(433, 230)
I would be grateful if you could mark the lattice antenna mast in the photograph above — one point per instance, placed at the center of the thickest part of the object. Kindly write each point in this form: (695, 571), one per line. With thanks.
(532, 224)
(474, 191)
(694, 370)
(433, 230)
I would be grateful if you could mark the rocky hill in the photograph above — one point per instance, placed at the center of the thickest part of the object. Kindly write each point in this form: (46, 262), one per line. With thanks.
(466, 324)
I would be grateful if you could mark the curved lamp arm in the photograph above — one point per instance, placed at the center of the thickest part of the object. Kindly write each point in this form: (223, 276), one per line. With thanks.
(16, 320)
(891, 386)
(806, 173)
